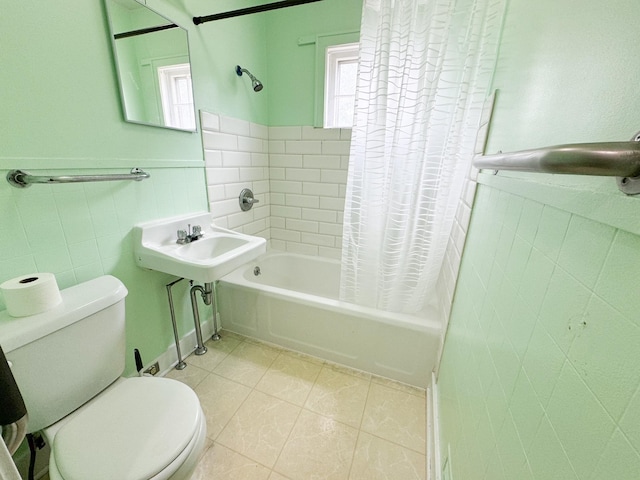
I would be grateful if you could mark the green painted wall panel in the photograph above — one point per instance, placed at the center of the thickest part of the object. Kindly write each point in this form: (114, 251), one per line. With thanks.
(539, 370)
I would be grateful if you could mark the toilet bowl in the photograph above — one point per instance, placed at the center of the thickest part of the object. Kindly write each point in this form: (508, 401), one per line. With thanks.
(67, 363)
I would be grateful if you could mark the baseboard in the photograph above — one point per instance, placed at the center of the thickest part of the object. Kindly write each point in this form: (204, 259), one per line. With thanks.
(434, 468)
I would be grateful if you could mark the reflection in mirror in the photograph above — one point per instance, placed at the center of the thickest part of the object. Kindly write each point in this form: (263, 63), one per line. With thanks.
(152, 60)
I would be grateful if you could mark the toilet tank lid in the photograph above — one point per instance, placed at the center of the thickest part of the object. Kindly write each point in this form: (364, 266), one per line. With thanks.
(78, 302)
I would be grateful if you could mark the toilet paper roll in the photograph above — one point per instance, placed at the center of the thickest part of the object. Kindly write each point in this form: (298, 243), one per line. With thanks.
(31, 294)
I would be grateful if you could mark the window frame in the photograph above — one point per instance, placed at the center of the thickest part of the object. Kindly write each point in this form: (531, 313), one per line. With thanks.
(334, 56)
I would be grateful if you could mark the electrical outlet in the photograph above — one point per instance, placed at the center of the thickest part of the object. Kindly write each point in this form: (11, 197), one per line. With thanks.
(153, 369)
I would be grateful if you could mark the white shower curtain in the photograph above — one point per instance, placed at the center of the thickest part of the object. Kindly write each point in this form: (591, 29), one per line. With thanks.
(424, 70)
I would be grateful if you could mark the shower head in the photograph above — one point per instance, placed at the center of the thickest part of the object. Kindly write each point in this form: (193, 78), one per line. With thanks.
(255, 83)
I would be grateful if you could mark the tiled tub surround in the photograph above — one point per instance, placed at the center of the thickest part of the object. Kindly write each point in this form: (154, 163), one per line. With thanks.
(539, 377)
(273, 414)
(308, 177)
(298, 174)
(236, 157)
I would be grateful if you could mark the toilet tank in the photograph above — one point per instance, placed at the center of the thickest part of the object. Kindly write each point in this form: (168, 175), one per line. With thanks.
(65, 356)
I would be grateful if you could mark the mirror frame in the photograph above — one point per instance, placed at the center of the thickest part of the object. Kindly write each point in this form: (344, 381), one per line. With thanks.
(113, 35)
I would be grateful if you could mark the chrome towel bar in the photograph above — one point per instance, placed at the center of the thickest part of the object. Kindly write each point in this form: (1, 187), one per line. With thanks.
(21, 179)
(611, 159)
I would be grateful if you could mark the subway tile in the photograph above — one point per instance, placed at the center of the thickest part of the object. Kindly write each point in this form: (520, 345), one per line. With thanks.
(276, 173)
(219, 141)
(216, 176)
(236, 159)
(334, 176)
(260, 212)
(249, 144)
(234, 126)
(320, 240)
(319, 215)
(277, 198)
(303, 174)
(322, 161)
(288, 235)
(276, 147)
(303, 146)
(302, 225)
(261, 186)
(258, 131)
(339, 147)
(284, 211)
(286, 187)
(224, 207)
(308, 201)
(259, 159)
(212, 158)
(285, 133)
(277, 244)
(285, 160)
(345, 134)
(252, 174)
(321, 189)
(209, 121)
(239, 219)
(278, 222)
(329, 203)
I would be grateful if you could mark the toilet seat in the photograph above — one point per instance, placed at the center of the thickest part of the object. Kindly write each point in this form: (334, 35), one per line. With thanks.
(138, 429)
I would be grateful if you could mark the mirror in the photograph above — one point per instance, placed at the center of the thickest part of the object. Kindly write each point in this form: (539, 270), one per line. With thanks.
(154, 71)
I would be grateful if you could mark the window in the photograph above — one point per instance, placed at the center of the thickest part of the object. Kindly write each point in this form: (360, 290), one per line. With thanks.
(176, 95)
(341, 69)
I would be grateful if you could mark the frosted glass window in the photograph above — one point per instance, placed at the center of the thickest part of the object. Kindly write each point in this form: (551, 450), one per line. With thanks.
(176, 95)
(341, 70)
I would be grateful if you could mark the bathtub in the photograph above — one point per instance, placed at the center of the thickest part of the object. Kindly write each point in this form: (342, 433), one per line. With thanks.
(293, 302)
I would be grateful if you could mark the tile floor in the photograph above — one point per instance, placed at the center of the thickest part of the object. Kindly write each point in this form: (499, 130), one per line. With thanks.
(273, 414)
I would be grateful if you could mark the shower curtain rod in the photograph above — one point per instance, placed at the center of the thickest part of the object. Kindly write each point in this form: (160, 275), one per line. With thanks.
(218, 16)
(249, 10)
(610, 159)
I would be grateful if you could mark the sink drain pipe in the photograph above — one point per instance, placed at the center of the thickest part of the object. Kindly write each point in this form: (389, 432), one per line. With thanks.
(208, 297)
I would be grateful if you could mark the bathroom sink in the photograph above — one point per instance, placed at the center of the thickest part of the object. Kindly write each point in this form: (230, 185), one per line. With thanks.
(206, 259)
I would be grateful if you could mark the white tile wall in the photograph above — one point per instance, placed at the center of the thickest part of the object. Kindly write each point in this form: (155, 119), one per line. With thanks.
(298, 173)
(308, 172)
(236, 156)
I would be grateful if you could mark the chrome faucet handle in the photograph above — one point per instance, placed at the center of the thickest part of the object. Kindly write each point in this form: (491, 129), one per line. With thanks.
(196, 231)
(182, 236)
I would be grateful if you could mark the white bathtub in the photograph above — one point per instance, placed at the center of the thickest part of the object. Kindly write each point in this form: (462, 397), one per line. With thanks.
(293, 303)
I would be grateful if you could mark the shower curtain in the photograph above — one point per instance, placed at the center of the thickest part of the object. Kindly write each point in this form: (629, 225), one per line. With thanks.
(425, 67)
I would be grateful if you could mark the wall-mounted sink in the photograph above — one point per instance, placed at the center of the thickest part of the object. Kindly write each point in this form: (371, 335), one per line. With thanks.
(217, 252)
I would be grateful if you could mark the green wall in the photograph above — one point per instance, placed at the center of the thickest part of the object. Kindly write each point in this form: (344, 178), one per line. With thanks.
(61, 112)
(539, 376)
(291, 76)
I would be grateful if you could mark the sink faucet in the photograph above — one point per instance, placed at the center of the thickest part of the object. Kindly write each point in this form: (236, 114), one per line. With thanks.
(189, 235)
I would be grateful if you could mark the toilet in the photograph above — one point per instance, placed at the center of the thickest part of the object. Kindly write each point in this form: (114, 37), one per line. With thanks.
(68, 364)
